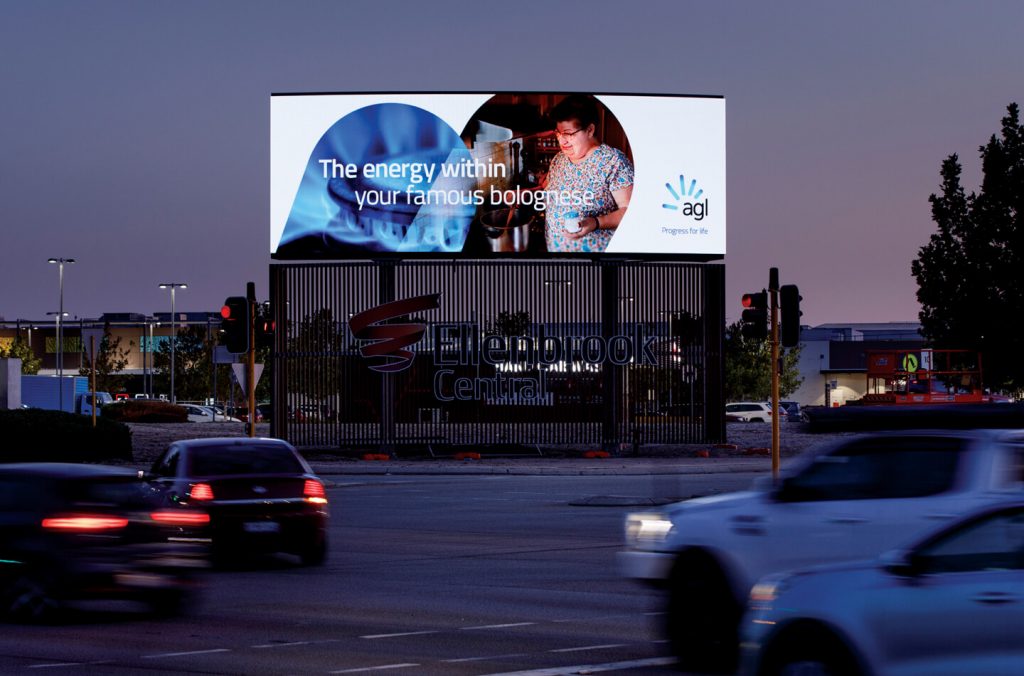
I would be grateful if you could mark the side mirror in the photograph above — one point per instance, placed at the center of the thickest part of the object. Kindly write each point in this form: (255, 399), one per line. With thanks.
(902, 563)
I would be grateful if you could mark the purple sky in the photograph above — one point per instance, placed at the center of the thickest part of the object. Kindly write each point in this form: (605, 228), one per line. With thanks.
(134, 135)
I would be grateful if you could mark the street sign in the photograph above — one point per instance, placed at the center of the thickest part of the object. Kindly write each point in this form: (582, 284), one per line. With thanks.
(238, 373)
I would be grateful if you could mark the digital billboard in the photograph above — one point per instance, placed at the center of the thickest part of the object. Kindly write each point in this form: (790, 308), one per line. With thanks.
(528, 175)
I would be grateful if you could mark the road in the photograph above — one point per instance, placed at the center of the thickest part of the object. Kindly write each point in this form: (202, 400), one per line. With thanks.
(426, 575)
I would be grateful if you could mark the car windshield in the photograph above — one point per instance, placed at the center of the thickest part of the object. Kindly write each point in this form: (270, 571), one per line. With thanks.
(241, 459)
(899, 467)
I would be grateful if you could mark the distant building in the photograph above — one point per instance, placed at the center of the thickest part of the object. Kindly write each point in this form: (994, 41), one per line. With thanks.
(833, 362)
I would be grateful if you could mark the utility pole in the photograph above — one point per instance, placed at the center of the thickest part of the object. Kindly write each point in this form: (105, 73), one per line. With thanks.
(250, 366)
(773, 292)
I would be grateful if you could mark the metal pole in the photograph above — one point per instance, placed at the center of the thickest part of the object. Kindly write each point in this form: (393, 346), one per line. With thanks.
(60, 332)
(60, 339)
(174, 339)
(173, 286)
(773, 288)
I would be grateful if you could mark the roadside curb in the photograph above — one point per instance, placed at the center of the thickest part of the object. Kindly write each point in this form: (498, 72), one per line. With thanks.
(554, 467)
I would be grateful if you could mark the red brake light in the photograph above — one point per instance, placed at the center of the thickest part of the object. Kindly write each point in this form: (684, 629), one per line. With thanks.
(201, 492)
(314, 491)
(174, 517)
(84, 522)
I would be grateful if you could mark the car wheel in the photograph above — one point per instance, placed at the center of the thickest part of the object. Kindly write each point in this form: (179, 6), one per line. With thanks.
(702, 618)
(168, 602)
(808, 651)
(316, 553)
(30, 598)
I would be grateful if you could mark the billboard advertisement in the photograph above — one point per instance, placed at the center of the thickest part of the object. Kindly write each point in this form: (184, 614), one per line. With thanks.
(527, 175)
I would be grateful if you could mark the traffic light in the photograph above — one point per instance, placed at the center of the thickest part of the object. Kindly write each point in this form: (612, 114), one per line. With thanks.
(685, 328)
(754, 320)
(789, 324)
(235, 324)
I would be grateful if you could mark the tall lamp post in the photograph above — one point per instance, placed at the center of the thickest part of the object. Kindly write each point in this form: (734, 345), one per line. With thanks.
(58, 317)
(60, 331)
(173, 286)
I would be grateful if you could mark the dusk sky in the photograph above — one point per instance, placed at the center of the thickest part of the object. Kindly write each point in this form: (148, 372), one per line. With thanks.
(135, 135)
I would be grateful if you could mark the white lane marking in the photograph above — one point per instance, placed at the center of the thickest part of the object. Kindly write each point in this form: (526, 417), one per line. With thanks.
(592, 668)
(279, 645)
(404, 633)
(498, 626)
(488, 657)
(193, 652)
(589, 647)
(382, 667)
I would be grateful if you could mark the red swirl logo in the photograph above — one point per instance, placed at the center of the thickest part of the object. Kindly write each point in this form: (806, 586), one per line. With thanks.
(386, 353)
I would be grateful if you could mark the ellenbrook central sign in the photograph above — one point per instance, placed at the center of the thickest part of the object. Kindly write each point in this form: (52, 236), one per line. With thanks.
(514, 358)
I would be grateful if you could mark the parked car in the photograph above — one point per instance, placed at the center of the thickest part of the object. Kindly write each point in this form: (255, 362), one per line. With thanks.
(83, 403)
(852, 499)
(793, 412)
(950, 603)
(751, 411)
(198, 413)
(261, 495)
(70, 532)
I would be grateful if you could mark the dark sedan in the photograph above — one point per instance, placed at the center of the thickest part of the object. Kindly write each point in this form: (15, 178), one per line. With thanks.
(261, 495)
(72, 532)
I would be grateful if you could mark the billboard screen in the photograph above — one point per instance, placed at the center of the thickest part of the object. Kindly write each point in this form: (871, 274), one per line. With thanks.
(481, 175)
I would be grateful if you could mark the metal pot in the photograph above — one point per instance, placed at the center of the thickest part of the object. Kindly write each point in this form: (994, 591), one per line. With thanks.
(508, 234)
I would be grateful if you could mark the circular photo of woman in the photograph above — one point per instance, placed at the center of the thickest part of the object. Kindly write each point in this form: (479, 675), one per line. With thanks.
(556, 170)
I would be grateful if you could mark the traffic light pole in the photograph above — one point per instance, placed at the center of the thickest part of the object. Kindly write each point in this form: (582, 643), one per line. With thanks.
(250, 366)
(773, 290)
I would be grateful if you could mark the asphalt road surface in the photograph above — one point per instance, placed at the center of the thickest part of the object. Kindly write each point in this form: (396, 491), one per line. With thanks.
(426, 575)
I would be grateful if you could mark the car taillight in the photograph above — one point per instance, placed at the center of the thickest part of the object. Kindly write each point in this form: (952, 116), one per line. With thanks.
(314, 492)
(84, 522)
(201, 492)
(173, 517)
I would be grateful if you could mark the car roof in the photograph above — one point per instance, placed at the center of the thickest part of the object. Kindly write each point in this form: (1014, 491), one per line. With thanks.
(65, 470)
(231, 441)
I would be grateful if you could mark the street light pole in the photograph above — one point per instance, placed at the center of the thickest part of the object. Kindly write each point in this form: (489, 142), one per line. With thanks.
(57, 318)
(173, 286)
(60, 331)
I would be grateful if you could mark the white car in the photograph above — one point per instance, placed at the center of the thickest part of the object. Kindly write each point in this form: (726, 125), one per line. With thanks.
(751, 411)
(206, 414)
(952, 603)
(852, 500)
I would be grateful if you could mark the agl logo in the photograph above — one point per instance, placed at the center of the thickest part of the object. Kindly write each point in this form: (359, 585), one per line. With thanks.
(687, 199)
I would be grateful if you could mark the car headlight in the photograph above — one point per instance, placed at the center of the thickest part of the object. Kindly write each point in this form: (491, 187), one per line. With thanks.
(647, 529)
(768, 589)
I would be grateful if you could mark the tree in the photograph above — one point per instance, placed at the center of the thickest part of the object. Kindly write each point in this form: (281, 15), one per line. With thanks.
(509, 324)
(748, 364)
(111, 359)
(19, 349)
(192, 366)
(969, 279)
(320, 339)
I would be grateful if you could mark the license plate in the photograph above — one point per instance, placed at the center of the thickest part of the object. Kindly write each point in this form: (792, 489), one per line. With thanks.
(261, 526)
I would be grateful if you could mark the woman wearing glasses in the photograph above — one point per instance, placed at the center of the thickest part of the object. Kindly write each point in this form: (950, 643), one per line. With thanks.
(588, 183)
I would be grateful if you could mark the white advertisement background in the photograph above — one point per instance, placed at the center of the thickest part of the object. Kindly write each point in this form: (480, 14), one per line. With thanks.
(668, 136)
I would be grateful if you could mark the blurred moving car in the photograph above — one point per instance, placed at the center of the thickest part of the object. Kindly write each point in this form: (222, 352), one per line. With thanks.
(850, 500)
(71, 532)
(751, 411)
(952, 603)
(261, 495)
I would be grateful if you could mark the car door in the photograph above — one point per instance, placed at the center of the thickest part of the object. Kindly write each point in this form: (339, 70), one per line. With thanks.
(863, 498)
(962, 610)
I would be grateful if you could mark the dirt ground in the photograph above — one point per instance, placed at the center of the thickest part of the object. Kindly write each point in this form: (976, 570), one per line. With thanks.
(150, 439)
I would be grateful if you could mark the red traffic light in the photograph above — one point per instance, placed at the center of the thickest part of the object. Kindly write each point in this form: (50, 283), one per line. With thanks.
(225, 312)
(755, 300)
